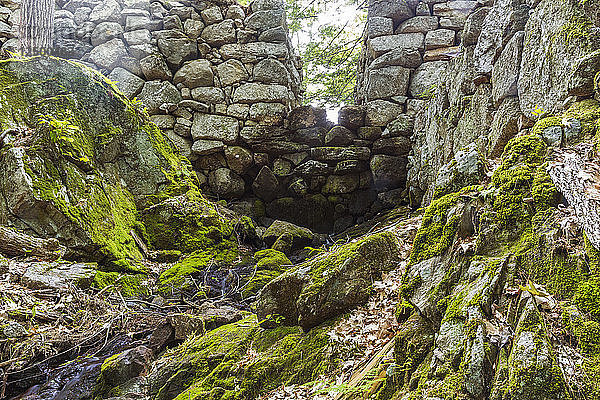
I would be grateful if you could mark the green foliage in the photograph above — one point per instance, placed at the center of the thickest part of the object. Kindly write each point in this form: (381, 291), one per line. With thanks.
(330, 51)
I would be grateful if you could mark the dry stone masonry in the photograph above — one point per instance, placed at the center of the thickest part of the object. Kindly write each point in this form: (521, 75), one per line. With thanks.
(223, 82)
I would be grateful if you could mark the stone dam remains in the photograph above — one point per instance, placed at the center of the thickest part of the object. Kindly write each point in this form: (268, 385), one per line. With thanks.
(438, 89)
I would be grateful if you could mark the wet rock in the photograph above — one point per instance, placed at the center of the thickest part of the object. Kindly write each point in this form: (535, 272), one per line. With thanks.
(124, 366)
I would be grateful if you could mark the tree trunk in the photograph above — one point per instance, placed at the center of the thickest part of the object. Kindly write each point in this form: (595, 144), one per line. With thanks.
(13, 243)
(576, 174)
(36, 27)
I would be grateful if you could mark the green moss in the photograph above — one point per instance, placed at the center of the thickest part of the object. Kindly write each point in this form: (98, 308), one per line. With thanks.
(244, 361)
(365, 249)
(514, 178)
(190, 223)
(437, 230)
(127, 284)
(576, 32)
(269, 265)
(79, 124)
(179, 276)
(530, 379)
(545, 123)
(587, 297)
(543, 191)
(587, 112)
(105, 211)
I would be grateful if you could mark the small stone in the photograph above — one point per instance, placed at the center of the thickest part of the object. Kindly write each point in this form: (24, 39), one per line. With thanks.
(206, 147)
(13, 330)
(239, 159)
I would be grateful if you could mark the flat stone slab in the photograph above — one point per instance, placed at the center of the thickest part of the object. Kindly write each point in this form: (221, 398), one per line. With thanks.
(56, 275)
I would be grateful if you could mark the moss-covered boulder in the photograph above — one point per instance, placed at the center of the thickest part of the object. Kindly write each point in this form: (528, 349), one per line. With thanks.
(295, 237)
(328, 284)
(81, 160)
(269, 265)
(241, 361)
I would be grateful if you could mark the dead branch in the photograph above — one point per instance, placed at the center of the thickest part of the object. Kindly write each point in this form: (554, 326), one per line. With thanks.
(14, 244)
(576, 175)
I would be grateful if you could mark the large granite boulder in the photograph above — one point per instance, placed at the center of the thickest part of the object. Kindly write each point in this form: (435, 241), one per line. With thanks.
(72, 181)
(328, 284)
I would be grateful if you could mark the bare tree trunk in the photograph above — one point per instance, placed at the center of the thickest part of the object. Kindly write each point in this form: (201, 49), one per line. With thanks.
(36, 27)
(13, 243)
(576, 174)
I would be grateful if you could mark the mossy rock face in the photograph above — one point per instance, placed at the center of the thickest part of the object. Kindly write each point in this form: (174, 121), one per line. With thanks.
(217, 366)
(82, 160)
(269, 265)
(533, 371)
(330, 283)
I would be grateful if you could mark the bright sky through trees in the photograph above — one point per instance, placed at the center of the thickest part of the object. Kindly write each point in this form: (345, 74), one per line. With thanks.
(327, 36)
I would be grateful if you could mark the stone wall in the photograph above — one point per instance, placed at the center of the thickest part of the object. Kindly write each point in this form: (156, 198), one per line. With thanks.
(407, 46)
(470, 75)
(220, 80)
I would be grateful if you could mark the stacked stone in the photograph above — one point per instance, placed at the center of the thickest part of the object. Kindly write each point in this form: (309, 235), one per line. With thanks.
(222, 82)
(407, 45)
(326, 176)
